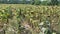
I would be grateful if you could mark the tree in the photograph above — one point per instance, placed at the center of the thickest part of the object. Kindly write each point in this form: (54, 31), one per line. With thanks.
(54, 2)
(35, 2)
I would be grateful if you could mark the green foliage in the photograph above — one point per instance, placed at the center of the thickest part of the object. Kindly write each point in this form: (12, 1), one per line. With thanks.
(33, 2)
(54, 2)
(37, 2)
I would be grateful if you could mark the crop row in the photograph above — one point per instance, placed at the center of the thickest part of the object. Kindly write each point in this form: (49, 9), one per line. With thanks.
(14, 19)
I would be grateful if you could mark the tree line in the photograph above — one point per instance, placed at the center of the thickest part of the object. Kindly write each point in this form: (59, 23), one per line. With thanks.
(33, 2)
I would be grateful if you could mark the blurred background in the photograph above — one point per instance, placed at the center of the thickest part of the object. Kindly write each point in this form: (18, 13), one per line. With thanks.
(33, 2)
(29, 16)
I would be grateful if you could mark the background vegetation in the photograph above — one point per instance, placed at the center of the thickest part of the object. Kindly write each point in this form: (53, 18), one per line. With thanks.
(33, 2)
